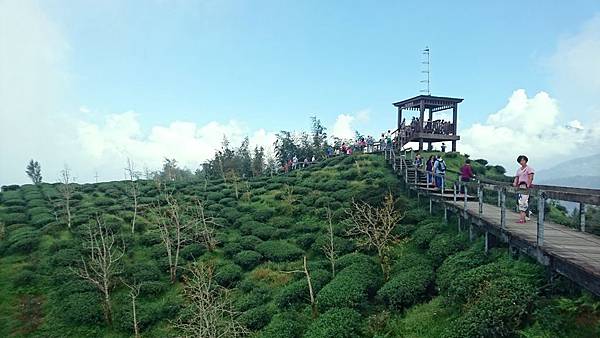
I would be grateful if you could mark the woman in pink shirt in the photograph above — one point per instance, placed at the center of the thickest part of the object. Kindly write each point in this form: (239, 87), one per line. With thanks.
(523, 179)
(524, 173)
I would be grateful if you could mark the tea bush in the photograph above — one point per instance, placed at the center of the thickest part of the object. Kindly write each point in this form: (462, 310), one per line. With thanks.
(338, 322)
(248, 259)
(279, 251)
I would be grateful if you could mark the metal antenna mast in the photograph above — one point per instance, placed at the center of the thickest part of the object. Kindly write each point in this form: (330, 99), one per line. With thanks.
(426, 71)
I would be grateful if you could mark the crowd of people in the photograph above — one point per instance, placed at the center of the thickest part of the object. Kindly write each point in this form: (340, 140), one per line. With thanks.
(432, 127)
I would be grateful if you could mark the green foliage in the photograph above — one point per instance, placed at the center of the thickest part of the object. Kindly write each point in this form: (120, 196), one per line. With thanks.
(457, 264)
(22, 240)
(425, 234)
(284, 325)
(498, 312)
(256, 318)
(297, 292)
(351, 287)
(228, 274)
(279, 251)
(338, 322)
(444, 245)
(248, 259)
(14, 218)
(408, 288)
(80, 308)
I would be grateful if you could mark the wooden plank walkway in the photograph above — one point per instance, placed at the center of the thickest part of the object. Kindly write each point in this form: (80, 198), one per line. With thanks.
(579, 248)
(566, 251)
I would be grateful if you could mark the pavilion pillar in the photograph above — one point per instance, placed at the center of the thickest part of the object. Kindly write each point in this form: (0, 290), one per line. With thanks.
(399, 119)
(454, 124)
(421, 118)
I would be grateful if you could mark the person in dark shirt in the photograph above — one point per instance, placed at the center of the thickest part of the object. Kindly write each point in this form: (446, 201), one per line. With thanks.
(466, 174)
(429, 169)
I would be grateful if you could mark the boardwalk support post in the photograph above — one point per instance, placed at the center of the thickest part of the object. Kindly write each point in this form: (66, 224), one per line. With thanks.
(471, 234)
(466, 193)
(582, 217)
(445, 213)
(540, 220)
(430, 206)
(499, 197)
(480, 195)
(503, 208)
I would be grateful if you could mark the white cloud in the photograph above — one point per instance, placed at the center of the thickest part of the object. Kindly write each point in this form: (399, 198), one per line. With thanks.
(575, 71)
(343, 126)
(529, 126)
(120, 136)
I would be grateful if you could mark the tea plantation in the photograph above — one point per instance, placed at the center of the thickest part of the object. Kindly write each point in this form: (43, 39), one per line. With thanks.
(440, 284)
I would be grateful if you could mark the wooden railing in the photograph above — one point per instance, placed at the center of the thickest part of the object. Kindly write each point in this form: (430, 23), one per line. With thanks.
(541, 193)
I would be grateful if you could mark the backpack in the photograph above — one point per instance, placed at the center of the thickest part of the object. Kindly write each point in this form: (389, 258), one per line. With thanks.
(442, 166)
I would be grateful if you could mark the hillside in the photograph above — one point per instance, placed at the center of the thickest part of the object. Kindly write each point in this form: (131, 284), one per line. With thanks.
(249, 238)
(582, 172)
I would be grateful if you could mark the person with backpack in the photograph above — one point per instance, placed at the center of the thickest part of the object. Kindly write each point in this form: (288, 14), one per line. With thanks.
(429, 169)
(439, 170)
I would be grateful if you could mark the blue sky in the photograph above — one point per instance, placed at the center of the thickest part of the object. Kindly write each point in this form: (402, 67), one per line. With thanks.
(272, 64)
(254, 60)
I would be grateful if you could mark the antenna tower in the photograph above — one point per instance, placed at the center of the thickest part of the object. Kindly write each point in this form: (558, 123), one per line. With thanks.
(426, 62)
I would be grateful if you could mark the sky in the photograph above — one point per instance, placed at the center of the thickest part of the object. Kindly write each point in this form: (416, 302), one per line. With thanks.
(88, 84)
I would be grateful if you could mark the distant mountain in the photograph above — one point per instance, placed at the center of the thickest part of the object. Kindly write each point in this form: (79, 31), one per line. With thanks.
(582, 172)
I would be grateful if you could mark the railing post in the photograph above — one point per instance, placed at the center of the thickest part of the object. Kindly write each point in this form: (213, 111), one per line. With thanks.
(416, 175)
(480, 196)
(499, 197)
(430, 206)
(540, 220)
(503, 208)
(582, 217)
(454, 191)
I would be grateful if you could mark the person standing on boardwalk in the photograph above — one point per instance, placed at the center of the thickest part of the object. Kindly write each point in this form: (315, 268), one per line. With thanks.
(466, 174)
(524, 177)
(524, 174)
(439, 171)
(523, 200)
(429, 169)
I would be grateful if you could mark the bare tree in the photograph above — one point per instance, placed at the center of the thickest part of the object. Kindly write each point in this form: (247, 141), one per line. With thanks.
(235, 179)
(133, 176)
(373, 227)
(134, 292)
(34, 171)
(204, 226)
(173, 229)
(210, 312)
(329, 247)
(100, 266)
(311, 293)
(66, 188)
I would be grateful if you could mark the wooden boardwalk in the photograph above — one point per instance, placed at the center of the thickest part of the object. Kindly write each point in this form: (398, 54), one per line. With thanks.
(579, 248)
(570, 252)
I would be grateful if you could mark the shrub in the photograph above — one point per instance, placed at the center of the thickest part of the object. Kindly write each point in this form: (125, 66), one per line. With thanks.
(279, 251)
(249, 242)
(228, 274)
(153, 288)
(14, 218)
(23, 240)
(23, 278)
(232, 248)
(142, 271)
(481, 161)
(256, 318)
(407, 288)
(192, 251)
(342, 245)
(80, 308)
(247, 227)
(42, 220)
(305, 240)
(248, 259)
(444, 245)
(284, 325)
(351, 287)
(297, 292)
(458, 263)
(499, 310)
(339, 323)
(103, 201)
(251, 296)
(263, 214)
(424, 234)
(263, 232)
